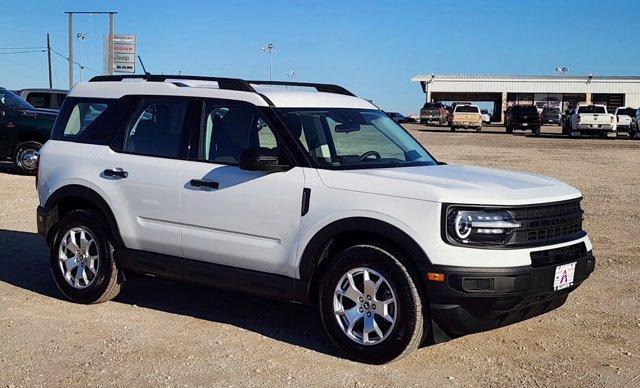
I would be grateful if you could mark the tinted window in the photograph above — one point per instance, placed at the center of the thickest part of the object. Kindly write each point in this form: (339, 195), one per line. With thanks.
(466, 109)
(10, 100)
(156, 128)
(82, 114)
(627, 111)
(551, 110)
(229, 129)
(592, 109)
(60, 99)
(39, 99)
(525, 110)
(432, 105)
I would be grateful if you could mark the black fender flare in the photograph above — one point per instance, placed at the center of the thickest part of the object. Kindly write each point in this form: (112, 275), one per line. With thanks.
(91, 196)
(312, 254)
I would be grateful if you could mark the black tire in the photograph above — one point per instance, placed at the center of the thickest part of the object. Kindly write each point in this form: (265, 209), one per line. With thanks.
(453, 128)
(107, 281)
(406, 333)
(509, 129)
(22, 157)
(536, 132)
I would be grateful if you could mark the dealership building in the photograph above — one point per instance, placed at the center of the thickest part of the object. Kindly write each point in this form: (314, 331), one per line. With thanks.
(559, 91)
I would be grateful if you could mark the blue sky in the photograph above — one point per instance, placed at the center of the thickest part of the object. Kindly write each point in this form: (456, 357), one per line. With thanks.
(372, 48)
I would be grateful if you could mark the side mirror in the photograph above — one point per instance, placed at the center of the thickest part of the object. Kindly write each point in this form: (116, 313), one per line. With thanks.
(260, 159)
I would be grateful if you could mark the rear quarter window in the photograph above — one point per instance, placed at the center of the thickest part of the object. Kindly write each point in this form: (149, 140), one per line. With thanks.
(88, 120)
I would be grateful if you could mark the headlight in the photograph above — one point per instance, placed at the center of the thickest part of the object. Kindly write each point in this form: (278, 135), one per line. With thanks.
(479, 227)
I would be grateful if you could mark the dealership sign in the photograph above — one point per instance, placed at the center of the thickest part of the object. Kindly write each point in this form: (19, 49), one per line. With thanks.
(124, 53)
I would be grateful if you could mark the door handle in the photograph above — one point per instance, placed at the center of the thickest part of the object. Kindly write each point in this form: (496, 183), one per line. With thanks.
(115, 172)
(203, 183)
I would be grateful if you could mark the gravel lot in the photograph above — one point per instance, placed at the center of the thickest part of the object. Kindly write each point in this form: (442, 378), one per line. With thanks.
(164, 333)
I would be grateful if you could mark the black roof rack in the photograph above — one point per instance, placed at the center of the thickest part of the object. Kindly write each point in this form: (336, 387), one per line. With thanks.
(326, 88)
(223, 83)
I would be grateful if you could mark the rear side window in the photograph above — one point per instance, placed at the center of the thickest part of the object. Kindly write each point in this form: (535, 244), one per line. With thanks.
(39, 100)
(525, 110)
(592, 109)
(155, 128)
(85, 120)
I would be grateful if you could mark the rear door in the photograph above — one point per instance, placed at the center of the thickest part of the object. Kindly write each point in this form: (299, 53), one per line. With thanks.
(140, 175)
(246, 219)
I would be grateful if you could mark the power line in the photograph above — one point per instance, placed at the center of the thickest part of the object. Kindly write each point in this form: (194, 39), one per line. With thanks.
(23, 52)
(82, 66)
(22, 48)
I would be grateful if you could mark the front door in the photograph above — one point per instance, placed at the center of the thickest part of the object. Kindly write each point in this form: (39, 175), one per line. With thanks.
(233, 217)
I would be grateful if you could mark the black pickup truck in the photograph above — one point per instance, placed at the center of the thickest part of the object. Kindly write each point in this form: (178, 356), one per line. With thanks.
(522, 117)
(23, 130)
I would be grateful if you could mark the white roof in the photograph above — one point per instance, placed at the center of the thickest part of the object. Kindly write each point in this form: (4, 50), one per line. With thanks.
(280, 96)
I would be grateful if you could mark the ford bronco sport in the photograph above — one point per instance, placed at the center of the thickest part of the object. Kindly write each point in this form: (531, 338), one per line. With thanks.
(305, 193)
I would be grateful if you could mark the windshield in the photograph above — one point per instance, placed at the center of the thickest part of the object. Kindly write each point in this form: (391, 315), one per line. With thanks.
(466, 109)
(592, 109)
(626, 111)
(12, 101)
(341, 138)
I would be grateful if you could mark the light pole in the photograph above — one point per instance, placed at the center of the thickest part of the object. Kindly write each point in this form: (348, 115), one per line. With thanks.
(269, 49)
(81, 36)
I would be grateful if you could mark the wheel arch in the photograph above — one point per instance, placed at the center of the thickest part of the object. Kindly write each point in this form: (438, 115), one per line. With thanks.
(342, 233)
(74, 197)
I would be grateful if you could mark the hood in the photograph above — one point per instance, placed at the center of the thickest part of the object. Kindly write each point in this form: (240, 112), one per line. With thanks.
(453, 184)
(40, 113)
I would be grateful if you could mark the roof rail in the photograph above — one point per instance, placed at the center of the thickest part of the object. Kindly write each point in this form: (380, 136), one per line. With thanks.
(326, 88)
(223, 83)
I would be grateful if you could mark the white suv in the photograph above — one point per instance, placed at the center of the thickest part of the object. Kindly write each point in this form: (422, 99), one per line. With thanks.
(302, 192)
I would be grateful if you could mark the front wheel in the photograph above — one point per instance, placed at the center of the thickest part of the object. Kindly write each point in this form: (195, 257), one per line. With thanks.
(370, 305)
(26, 157)
(82, 259)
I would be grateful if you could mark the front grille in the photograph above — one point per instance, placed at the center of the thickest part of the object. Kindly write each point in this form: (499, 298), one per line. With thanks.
(543, 224)
(558, 255)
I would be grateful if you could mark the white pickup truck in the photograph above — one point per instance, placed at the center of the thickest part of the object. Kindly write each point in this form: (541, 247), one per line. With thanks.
(624, 118)
(591, 120)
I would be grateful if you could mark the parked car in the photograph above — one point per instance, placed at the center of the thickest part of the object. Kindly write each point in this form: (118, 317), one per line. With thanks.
(522, 117)
(43, 98)
(486, 117)
(466, 116)
(23, 130)
(550, 116)
(317, 198)
(433, 112)
(624, 119)
(590, 120)
(634, 133)
(399, 118)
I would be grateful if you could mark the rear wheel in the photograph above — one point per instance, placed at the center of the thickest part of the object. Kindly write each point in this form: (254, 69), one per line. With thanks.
(509, 129)
(536, 131)
(82, 260)
(370, 306)
(26, 157)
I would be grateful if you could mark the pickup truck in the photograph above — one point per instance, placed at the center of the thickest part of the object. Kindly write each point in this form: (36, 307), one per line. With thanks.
(433, 112)
(590, 120)
(23, 130)
(522, 117)
(43, 98)
(466, 116)
(624, 118)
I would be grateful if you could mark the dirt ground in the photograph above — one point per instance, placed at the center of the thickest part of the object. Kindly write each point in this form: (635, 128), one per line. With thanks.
(158, 332)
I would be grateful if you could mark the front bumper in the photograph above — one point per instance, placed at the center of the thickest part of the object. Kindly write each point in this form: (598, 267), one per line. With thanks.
(478, 299)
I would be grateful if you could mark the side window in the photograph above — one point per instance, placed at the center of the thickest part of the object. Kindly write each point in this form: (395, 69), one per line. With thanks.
(155, 128)
(59, 99)
(228, 129)
(82, 114)
(39, 100)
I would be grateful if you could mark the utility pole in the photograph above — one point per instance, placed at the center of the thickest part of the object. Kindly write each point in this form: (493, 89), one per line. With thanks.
(70, 49)
(49, 60)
